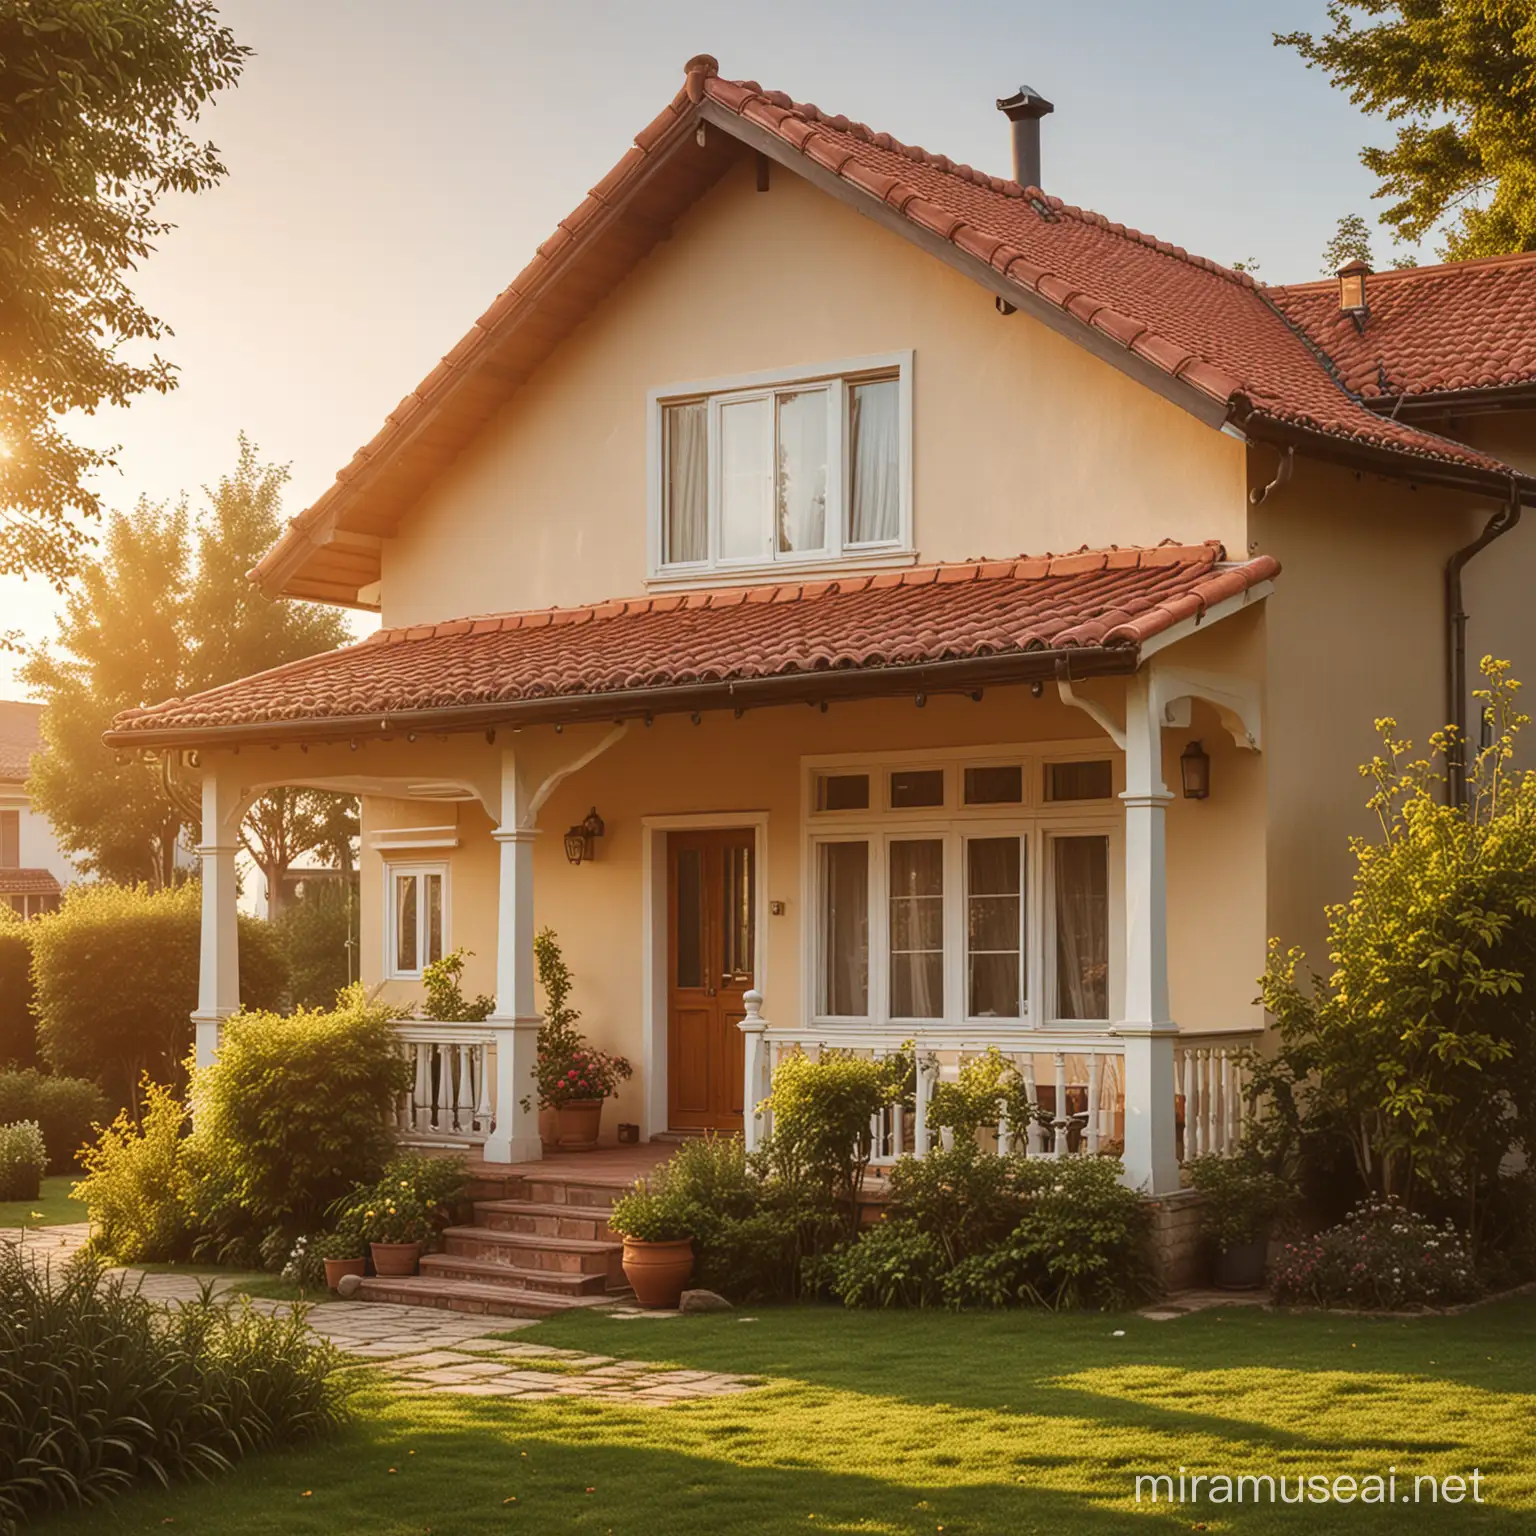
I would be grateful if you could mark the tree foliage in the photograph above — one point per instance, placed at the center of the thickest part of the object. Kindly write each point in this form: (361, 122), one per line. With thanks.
(166, 612)
(1458, 77)
(1351, 241)
(95, 104)
(1418, 1053)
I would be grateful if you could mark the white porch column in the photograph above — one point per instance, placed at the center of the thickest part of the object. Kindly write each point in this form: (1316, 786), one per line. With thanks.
(516, 1022)
(1151, 1153)
(218, 977)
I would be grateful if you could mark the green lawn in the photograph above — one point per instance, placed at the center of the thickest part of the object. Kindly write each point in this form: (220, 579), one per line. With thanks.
(909, 1423)
(52, 1208)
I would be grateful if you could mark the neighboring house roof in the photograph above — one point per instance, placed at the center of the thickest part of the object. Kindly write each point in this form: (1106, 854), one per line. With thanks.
(21, 734)
(961, 625)
(1467, 327)
(1207, 336)
(27, 882)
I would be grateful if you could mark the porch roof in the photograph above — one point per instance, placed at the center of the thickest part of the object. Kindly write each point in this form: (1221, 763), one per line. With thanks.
(930, 628)
(28, 882)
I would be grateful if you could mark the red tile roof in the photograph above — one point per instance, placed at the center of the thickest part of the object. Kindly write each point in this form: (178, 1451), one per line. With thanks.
(1094, 604)
(27, 882)
(1469, 325)
(20, 736)
(1214, 330)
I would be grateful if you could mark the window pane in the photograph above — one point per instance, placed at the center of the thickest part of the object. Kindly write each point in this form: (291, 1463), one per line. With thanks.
(917, 929)
(405, 923)
(1081, 887)
(922, 786)
(874, 447)
(434, 917)
(994, 875)
(690, 917)
(845, 929)
(842, 792)
(994, 786)
(740, 912)
(685, 442)
(802, 466)
(746, 478)
(1080, 781)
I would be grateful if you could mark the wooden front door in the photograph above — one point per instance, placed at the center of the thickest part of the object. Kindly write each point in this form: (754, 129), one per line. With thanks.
(711, 943)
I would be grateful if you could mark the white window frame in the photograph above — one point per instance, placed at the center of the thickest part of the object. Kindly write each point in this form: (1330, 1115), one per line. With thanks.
(838, 553)
(1034, 820)
(416, 869)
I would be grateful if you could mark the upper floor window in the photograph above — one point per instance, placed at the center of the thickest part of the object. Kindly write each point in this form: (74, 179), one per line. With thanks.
(790, 469)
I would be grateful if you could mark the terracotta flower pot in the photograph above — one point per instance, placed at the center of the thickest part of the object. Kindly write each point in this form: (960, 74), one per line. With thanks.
(658, 1271)
(395, 1258)
(336, 1268)
(576, 1124)
(549, 1129)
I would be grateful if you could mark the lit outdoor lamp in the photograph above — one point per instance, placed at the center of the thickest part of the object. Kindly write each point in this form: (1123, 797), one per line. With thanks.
(579, 840)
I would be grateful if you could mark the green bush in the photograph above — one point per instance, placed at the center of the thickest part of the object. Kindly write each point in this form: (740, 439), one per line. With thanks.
(989, 1089)
(116, 975)
(18, 1019)
(66, 1109)
(135, 1184)
(412, 1200)
(22, 1161)
(1243, 1200)
(652, 1215)
(443, 999)
(318, 935)
(291, 1117)
(966, 1199)
(101, 1389)
(894, 1264)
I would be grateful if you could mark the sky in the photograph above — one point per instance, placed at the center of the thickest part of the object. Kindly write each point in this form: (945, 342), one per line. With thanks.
(394, 163)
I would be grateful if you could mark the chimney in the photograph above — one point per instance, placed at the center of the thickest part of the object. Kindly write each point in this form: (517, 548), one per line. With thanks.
(1352, 275)
(1024, 109)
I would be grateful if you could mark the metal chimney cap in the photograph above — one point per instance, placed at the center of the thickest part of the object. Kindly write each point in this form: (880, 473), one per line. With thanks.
(1025, 102)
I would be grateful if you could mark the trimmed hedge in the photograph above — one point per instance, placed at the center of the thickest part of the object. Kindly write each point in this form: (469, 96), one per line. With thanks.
(66, 1109)
(18, 1021)
(116, 976)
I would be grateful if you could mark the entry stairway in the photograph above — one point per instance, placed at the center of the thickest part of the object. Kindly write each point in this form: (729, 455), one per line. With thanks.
(539, 1244)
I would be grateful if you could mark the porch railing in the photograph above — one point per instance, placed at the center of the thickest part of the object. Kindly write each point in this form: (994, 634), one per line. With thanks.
(1074, 1078)
(451, 1098)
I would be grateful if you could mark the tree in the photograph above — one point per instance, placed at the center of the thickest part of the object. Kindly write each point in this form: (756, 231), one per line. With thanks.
(164, 612)
(1459, 77)
(1351, 242)
(95, 100)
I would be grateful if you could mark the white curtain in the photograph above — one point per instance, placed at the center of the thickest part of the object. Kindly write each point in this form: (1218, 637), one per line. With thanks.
(687, 442)
(874, 511)
(1082, 927)
(917, 929)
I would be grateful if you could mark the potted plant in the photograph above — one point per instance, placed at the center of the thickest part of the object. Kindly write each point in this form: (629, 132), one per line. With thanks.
(343, 1254)
(1243, 1202)
(657, 1229)
(574, 1079)
(396, 1222)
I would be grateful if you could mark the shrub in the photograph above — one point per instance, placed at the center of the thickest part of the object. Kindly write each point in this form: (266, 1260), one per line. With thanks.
(22, 1161)
(18, 1018)
(291, 1116)
(988, 1089)
(1416, 1057)
(135, 1184)
(443, 985)
(895, 1264)
(1382, 1258)
(318, 935)
(100, 1389)
(568, 1068)
(652, 1215)
(66, 1109)
(966, 1199)
(410, 1202)
(1243, 1199)
(116, 975)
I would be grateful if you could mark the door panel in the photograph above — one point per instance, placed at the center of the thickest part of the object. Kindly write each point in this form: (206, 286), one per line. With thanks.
(711, 963)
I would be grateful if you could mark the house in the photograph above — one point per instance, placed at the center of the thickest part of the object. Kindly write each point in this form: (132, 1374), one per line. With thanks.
(722, 631)
(33, 868)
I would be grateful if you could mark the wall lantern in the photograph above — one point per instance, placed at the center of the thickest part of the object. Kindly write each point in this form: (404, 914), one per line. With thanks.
(1195, 770)
(579, 840)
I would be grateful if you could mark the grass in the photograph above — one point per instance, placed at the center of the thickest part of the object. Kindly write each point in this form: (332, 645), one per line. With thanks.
(52, 1208)
(908, 1423)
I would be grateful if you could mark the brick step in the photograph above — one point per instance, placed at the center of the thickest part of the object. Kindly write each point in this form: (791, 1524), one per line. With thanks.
(539, 1189)
(534, 1250)
(584, 1221)
(454, 1295)
(515, 1277)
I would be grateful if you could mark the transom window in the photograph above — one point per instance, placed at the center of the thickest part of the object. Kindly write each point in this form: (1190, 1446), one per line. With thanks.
(783, 469)
(416, 917)
(949, 893)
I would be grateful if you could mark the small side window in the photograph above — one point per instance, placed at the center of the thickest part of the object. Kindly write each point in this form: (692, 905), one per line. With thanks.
(418, 918)
(1080, 781)
(842, 792)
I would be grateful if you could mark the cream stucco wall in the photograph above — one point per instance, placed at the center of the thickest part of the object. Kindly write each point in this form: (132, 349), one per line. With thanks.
(1022, 441)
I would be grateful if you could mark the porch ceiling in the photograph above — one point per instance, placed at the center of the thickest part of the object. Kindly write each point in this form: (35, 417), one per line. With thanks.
(929, 629)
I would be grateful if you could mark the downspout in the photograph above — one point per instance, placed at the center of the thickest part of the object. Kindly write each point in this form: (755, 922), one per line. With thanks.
(1456, 643)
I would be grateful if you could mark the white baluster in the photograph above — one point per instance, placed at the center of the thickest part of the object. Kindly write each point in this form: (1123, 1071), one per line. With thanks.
(1004, 1131)
(920, 1118)
(483, 1108)
(422, 1116)
(1093, 1103)
(464, 1104)
(1034, 1134)
(1210, 1100)
(403, 1098)
(1059, 1141)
